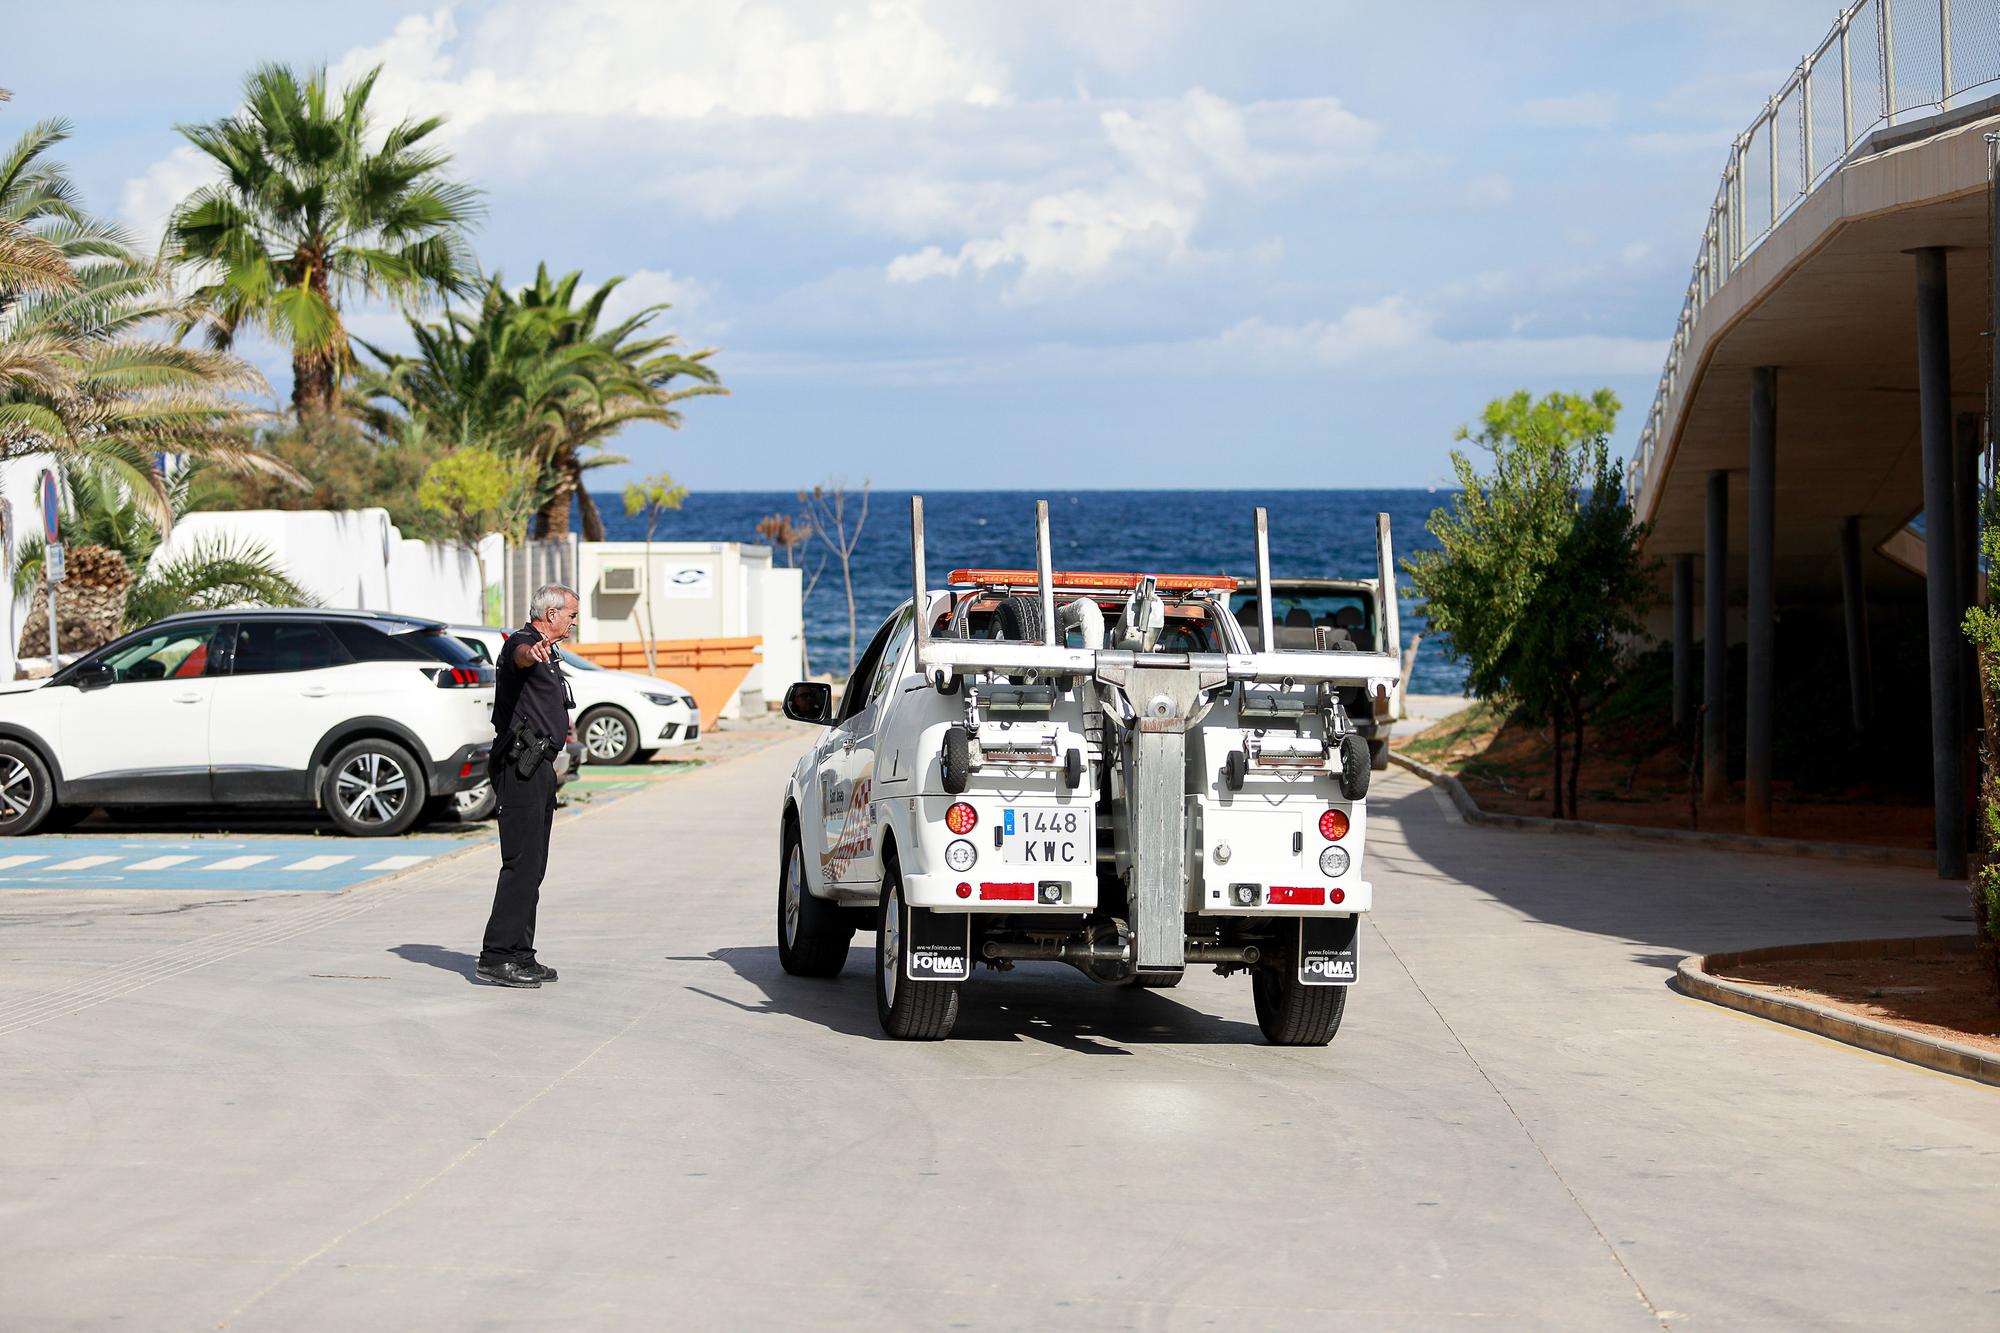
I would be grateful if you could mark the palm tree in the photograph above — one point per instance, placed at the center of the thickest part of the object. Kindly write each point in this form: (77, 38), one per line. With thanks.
(81, 379)
(532, 373)
(307, 214)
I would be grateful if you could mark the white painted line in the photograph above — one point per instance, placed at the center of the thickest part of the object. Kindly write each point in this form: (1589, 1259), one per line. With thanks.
(82, 863)
(236, 863)
(318, 863)
(396, 862)
(9, 862)
(159, 863)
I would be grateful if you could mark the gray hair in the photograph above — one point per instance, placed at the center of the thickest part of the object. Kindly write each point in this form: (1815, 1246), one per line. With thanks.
(550, 597)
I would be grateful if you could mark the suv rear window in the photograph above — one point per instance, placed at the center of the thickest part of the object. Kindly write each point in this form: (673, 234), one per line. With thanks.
(370, 643)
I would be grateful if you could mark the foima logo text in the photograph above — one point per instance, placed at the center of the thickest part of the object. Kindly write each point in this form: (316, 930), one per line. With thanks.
(1333, 969)
(940, 964)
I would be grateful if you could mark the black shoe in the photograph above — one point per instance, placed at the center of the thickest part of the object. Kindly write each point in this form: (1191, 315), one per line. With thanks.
(539, 971)
(524, 975)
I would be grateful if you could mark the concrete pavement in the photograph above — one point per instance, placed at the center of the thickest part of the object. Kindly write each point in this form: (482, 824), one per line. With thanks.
(300, 1112)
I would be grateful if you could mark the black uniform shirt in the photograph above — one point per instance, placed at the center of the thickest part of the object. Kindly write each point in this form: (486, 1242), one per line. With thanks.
(536, 693)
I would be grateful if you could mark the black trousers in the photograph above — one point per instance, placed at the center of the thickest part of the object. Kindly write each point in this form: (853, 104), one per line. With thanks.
(527, 808)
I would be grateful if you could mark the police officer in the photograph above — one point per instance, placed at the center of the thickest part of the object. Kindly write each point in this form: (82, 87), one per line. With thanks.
(533, 693)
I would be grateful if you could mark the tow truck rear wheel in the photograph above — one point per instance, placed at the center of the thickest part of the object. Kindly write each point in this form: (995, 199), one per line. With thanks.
(812, 934)
(910, 1010)
(1292, 1014)
(1378, 756)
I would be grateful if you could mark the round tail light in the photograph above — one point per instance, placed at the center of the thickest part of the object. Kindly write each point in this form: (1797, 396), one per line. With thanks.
(962, 819)
(1333, 825)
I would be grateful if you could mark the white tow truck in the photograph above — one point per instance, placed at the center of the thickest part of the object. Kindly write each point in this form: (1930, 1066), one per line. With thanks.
(1087, 768)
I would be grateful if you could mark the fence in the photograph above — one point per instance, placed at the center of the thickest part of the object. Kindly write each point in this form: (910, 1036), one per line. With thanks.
(1883, 61)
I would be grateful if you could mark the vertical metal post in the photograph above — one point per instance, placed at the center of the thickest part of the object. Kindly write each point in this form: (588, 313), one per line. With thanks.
(1045, 575)
(1761, 618)
(1267, 643)
(1683, 640)
(52, 624)
(923, 622)
(1944, 54)
(1846, 90)
(1940, 563)
(1771, 156)
(1806, 125)
(1391, 640)
(1715, 645)
(1887, 46)
(1854, 601)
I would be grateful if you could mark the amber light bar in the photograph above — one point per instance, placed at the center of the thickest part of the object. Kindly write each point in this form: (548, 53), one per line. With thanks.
(1027, 578)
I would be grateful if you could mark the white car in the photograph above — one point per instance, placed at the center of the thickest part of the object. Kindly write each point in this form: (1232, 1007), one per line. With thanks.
(622, 717)
(377, 719)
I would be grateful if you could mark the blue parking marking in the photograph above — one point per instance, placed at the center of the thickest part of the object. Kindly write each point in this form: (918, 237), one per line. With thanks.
(232, 865)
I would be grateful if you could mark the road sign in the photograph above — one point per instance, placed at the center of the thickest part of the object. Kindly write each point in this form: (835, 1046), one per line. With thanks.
(54, 563)
(51, 509)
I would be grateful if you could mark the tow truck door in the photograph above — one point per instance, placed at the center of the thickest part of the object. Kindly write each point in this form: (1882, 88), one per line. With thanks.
(850, 844)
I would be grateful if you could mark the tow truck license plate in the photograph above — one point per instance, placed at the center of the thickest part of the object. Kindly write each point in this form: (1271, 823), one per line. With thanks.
(1043, 838)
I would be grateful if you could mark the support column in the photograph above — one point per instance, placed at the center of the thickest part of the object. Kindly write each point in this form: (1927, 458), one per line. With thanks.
(1860, 669)
(1715, 646)
(1683, 640)
(1761, 618)
(1940, 560)
(1965, 552)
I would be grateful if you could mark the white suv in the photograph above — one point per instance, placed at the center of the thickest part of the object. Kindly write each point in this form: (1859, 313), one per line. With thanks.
(377, 719)
(621, 716)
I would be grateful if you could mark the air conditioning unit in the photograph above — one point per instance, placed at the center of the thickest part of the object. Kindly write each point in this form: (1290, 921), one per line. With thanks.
(618, 578)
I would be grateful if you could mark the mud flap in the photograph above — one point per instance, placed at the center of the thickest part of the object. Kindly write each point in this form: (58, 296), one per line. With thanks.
(940, 946)
(1326, 950)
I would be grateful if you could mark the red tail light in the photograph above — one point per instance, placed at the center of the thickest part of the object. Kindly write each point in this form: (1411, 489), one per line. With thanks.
(1333, 825)
(1310, 895)
(464, 678)
(961, 818)
(1016, 893)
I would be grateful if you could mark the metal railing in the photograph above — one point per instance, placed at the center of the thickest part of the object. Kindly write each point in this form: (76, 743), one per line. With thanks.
(1884, 61)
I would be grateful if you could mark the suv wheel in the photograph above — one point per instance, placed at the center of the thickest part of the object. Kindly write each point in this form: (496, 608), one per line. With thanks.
(372, 789)
(475, 803)
(610, 736)
(26, 794)
(813, 935)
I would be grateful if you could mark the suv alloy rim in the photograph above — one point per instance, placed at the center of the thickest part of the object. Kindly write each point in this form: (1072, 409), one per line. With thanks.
(17, 789)
(892, 945)
(372, 788)
(794, 886)
(605, 737)
(470, 798)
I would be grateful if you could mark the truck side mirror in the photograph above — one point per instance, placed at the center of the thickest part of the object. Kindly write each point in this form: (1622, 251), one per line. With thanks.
(810, 701)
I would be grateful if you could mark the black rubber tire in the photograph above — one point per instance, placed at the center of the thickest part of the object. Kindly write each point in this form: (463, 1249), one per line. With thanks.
(1291, 1014)
(1235, 769)
(1018, 620)
(812, 942)
(1378, 756)
(402, 804)
(955, 763)
(471, 810)
(612, 718)
(1354, 767)
(436, 810)
(27, 794)
(1073, 769)
(1156, 980)
(918, 1010)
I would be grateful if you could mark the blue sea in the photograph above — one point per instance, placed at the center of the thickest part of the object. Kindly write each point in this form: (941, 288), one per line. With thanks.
(1313, 534)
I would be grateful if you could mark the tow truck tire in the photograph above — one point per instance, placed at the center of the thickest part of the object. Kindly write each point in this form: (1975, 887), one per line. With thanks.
(909, 1010)
(1156, 980)
(812, 934)
(1378, 756)
(956, 761)
(1291, 1014)
(1019, 620)
(1235, 769)
(1355, 763)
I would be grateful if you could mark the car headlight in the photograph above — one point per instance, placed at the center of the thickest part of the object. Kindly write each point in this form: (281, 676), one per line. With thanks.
(1333, 861)
(960, 855)
(661, 700)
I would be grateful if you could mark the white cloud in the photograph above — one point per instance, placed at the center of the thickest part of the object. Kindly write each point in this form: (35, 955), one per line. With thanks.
(689, 303)
(1170, 158)
(1488, 191)
(1577, 111)
(149, 198)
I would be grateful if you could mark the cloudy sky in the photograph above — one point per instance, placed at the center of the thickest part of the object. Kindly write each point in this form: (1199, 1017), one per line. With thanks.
(1119, 243)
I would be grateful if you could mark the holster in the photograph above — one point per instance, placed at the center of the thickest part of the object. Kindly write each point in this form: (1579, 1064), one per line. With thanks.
(525, 750)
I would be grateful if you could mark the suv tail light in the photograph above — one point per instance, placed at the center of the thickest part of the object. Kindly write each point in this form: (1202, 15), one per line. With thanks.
(464, 678)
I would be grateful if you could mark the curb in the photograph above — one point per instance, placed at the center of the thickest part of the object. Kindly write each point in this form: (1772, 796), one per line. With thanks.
(1918, 857)
(1695, 978)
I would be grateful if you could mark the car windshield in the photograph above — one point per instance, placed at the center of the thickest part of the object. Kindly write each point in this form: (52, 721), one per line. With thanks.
(575, 663)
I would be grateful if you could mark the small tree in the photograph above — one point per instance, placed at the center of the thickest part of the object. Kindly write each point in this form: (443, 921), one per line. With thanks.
(785, 533)
(652, 497)
(1982, 626)
(1539, 576)
(826, 506)
(472, 491)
